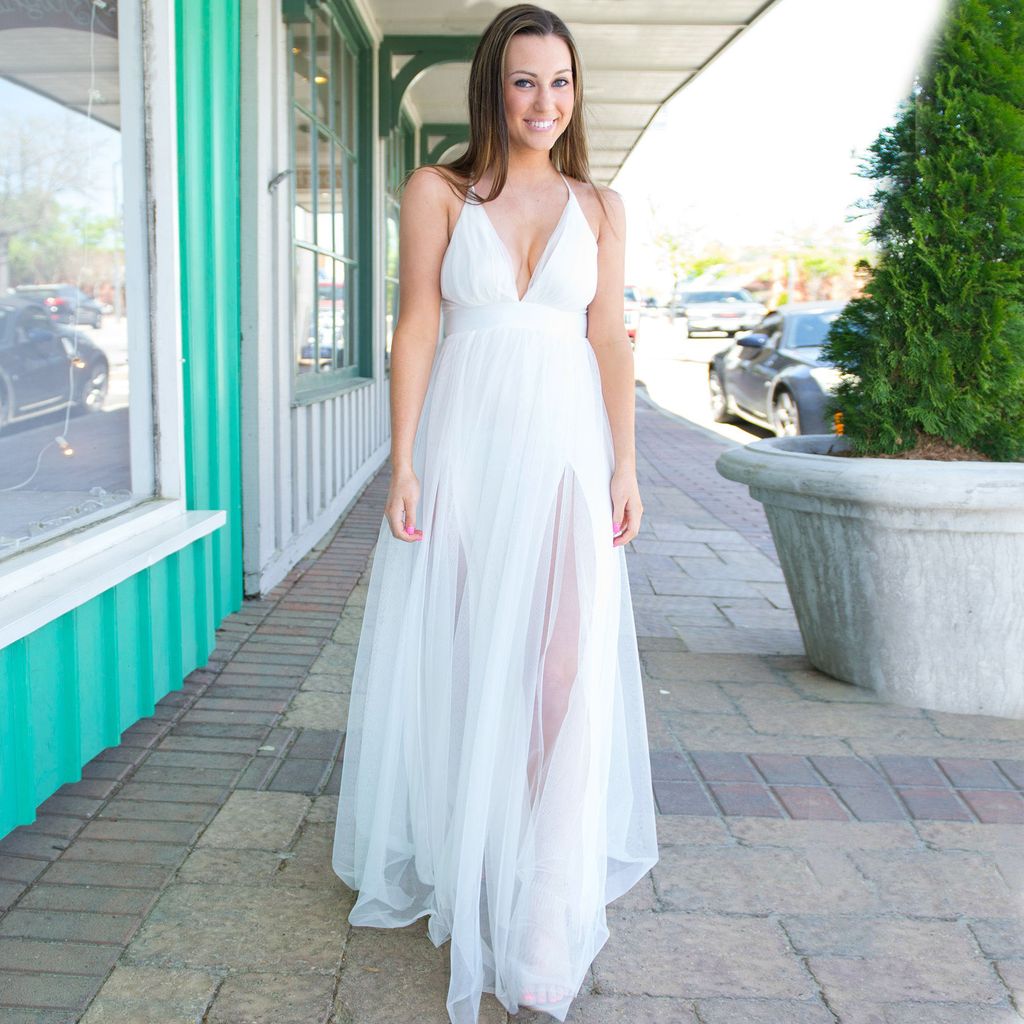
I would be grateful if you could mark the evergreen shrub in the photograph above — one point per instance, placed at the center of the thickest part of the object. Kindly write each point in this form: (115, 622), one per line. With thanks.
(932, 352)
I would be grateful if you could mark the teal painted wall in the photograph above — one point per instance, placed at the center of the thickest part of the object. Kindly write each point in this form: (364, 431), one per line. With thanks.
(69, 690)
(208, 151)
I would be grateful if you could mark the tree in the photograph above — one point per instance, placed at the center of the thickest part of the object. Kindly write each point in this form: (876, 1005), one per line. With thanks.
(39, 162)
(934, 348)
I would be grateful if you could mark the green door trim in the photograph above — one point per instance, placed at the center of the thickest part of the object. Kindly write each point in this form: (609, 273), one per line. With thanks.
(436, 137)
(422, 52)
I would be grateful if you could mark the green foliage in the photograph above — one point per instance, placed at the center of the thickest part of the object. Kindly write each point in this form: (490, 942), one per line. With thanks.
(936, 343)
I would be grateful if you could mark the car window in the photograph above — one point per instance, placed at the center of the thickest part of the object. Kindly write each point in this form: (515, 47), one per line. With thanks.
(808, 330)
(31, 320)
(772, 326)
(717, 296)
(630, 295)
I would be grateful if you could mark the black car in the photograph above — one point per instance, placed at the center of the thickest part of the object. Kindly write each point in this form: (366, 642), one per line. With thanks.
(66, 303)
(774, 375)
(45, 366)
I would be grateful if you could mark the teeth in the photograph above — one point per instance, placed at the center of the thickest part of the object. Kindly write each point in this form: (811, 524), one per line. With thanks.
(541, 124)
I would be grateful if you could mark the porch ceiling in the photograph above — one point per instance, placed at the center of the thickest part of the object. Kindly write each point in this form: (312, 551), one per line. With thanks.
(636, 55)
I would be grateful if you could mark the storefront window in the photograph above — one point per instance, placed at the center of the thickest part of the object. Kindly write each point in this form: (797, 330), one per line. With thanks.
(65, 452)
(325, 132)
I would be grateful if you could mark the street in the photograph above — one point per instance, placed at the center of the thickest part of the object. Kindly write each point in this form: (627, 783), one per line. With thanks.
(674, 369)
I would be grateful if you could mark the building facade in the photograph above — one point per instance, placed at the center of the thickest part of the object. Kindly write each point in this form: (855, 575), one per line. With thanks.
(198, 288)
(236, 206)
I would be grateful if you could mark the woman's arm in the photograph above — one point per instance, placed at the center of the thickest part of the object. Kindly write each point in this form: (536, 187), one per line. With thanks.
(423, 238)
(606, 331)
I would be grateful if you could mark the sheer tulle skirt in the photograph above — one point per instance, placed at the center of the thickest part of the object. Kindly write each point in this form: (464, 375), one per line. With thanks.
(496, 773)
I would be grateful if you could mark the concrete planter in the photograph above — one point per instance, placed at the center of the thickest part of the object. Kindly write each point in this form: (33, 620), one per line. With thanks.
(907, 576)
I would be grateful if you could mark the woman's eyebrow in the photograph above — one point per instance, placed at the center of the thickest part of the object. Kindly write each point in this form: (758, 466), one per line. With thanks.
(520, 71)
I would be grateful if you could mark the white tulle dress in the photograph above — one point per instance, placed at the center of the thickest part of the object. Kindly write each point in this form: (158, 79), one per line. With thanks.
(496, 773)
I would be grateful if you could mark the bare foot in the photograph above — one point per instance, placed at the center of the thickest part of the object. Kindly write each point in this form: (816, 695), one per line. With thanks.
(547, 963)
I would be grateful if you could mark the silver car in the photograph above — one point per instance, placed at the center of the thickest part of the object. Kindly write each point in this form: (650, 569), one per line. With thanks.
(728, 309)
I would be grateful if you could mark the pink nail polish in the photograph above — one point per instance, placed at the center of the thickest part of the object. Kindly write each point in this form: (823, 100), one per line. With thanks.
(408, 529)
(616, 527)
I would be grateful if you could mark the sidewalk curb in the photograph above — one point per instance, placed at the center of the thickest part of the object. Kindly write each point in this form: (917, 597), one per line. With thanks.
(644, 395)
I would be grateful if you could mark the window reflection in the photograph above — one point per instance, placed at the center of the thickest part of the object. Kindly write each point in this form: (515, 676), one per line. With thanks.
(325, 112)
(304, 185)
(64, 429)
(305, 328)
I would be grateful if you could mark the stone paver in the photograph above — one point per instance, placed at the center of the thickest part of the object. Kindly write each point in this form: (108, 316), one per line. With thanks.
(825, 856)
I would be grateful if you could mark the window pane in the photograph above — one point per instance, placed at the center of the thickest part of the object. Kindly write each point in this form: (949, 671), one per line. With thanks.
(304, 290)
(349, 100)
(391, 241)
(324, 203)
(301, 64)
(342, 328)
(64, 407)
(349, 180)
(303, 178)
(340, 204)
(325, 310)
(390, 318)
(340, 58)
(322, 68)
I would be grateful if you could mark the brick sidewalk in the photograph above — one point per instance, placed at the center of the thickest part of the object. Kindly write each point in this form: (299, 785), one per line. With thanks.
(825, 856)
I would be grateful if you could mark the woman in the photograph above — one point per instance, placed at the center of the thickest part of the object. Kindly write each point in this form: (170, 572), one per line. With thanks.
(496, 773)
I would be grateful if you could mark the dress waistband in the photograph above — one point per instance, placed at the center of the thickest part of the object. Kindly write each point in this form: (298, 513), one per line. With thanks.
(534, 315)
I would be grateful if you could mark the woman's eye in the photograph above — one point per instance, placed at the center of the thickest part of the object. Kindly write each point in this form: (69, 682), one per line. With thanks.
(527, 81)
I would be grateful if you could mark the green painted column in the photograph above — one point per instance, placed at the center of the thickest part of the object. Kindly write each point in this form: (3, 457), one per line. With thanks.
(69, 690)
(208, 152)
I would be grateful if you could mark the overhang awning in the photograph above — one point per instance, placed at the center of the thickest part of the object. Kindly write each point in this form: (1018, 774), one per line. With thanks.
(636, 55)
(65, 52)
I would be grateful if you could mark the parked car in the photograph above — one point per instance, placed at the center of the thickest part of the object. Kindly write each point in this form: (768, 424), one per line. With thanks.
(774, 375)
(328, 326)
(66, 303)
(632, 312)
(729, 310)
(45, 366)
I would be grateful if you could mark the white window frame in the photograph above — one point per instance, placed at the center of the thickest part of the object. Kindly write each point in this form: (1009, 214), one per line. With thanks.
(53, 577)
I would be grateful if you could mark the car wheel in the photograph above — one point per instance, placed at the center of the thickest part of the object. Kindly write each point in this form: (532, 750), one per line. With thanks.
(93, 392)
(785, 415)
(719, 402)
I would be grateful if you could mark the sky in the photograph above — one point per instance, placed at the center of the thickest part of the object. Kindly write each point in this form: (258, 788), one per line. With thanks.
(798, 98)
(803, 92)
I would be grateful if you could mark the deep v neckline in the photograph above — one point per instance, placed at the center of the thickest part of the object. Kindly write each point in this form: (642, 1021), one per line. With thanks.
(544, 252)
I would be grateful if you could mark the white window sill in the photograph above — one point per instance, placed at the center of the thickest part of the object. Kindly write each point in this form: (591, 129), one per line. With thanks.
(44, 583)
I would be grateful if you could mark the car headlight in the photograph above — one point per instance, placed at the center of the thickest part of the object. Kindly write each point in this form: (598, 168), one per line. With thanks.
(827, 376)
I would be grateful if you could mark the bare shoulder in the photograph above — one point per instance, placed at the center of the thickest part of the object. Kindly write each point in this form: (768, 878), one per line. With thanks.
(428, 196)
(603, 206)
(426, 184)
(614, 213)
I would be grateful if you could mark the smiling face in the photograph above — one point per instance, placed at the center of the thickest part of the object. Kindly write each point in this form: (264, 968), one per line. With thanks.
(539, 90)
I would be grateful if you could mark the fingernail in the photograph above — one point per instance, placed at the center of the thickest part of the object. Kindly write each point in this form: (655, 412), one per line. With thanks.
(408, 529)
(616, 526)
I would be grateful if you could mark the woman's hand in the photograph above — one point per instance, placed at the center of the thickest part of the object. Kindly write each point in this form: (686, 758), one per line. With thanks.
(627, 508)
(400, 507)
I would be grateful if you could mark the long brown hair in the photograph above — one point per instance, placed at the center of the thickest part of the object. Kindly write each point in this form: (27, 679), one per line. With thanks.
(488, 128)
